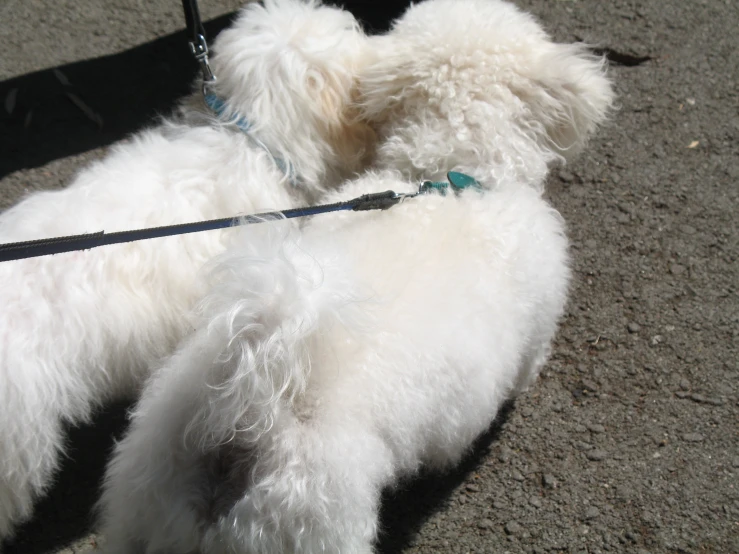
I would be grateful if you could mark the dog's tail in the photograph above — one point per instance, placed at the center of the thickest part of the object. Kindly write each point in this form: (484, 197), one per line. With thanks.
(268, 297)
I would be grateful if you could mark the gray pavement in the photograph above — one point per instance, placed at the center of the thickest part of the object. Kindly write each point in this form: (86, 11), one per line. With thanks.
(630, 440)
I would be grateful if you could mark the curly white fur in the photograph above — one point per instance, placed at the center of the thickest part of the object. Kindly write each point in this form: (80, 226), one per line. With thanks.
(78, 328)
(493, 80)
(330, 361)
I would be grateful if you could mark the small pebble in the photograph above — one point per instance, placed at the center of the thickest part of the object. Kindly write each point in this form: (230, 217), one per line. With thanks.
(513, 528)
(596, 428)
(624, 492)
(633, 327)
(498, 505)
(473, 488)
(596, 455)
(566, 176)
(589, 385)
(696, 397)
(535, 501)
(485, 524)
(684, 384)
(682, 394)
(693, 437)
(715, 401)
(516, 476)
(592, 513)
(505, 454)
(677, 269)
(549, 481)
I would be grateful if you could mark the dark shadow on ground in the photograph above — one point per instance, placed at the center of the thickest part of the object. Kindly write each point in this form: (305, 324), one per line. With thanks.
(65, 514)
(77, 107)
(405, 509)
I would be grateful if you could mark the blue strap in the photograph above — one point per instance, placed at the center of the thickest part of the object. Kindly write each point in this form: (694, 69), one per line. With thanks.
(218, 107)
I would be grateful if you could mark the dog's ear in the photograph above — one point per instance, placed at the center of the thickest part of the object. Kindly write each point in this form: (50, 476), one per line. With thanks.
(568, 93)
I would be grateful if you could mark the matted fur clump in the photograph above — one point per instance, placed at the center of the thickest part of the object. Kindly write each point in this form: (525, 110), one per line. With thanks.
(77, 329)
(332, 360)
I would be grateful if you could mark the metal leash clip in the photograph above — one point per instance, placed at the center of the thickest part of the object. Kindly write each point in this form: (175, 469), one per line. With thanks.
(200, 51)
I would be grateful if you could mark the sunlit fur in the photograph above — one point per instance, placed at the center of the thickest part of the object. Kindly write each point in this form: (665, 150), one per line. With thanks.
(77, 329)
(483, 76)
(333, 359)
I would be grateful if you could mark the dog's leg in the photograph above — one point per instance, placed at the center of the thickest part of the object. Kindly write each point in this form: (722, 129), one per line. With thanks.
(152, 494)
(314, 487)
(28, 458)
(63, 351)
(156, 488)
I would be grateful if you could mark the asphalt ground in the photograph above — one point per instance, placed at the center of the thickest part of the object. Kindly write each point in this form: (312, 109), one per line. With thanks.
(630, 440)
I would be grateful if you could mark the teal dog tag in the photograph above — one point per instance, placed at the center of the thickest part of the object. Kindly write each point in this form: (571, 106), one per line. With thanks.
(462, 180)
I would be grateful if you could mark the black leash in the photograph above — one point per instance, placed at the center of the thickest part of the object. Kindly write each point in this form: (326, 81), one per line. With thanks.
(72, 243)
(196, 40)
(195, 27)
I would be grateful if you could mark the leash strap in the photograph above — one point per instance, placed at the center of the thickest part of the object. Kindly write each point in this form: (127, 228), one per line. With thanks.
(375, 201)
(72, 243)
(195, 27)
(196, 38)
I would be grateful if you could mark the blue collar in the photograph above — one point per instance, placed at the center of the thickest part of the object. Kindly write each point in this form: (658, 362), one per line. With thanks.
(218, 107)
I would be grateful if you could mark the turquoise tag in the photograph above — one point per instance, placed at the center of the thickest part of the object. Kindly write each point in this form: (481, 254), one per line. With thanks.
(459, 182)
(462, 181)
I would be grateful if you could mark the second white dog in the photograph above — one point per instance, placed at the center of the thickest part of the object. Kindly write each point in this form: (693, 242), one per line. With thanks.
(332, 361)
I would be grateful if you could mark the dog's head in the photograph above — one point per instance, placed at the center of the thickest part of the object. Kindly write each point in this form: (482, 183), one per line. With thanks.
(478, 85)
(290, 67)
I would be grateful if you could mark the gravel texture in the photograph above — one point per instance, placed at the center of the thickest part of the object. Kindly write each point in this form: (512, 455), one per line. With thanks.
(629, 441)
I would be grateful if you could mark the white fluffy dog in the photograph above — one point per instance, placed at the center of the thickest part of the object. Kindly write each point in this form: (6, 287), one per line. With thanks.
(331, 361)
(78, 328)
